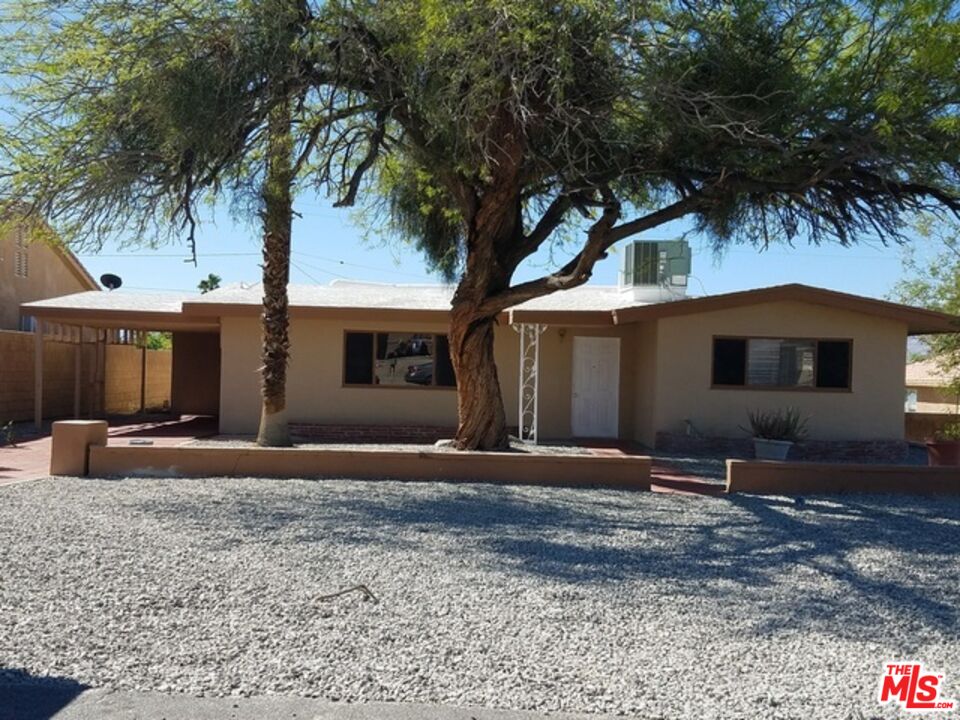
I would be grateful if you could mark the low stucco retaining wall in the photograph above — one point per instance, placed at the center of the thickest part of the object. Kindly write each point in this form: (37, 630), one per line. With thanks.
(824, 451)
(567, 470)
(788, 478)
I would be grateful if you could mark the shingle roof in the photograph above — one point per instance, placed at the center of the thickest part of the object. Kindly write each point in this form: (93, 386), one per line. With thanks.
(121, 309)
(118, 300)
(350, 294)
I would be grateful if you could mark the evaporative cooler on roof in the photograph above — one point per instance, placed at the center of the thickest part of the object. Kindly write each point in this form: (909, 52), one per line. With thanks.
(657, 268)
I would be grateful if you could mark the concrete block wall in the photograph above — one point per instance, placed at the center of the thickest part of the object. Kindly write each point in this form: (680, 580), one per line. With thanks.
(123, 379)
(16, 376)
(121, 394)
(121, 388)
(159, 371)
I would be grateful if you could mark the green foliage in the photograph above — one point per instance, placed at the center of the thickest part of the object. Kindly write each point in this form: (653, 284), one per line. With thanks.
(828, 118)
(788, 424)
(210, 282)
(121, 117)
(950, 431)
(422, 212)
(158, 341)
(933, 282)
(762, 121)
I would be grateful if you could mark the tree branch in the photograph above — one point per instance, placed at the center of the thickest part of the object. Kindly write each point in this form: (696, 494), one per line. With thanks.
(373, 151)
(602, 235)
(325, 122)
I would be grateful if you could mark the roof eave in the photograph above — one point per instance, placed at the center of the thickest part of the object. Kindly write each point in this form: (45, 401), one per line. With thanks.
(211, 310)
(122, 319)
(581, 318)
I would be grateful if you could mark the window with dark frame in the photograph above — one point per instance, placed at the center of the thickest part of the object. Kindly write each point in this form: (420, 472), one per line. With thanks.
(782, 363)
(397, 359)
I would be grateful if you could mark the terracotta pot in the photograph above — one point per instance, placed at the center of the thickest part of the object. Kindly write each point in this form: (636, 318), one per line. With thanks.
(943, 452)
(765, 449)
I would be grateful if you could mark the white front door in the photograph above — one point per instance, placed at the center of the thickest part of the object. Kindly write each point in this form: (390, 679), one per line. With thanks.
(594, 411)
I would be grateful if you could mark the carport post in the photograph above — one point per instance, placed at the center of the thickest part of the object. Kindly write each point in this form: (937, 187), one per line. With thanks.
(143, 378)
(38, 373)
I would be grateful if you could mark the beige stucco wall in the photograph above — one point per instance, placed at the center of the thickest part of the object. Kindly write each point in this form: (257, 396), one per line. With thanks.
(936, 400)
(645, 383)
(665, 373)
(47, 276)
(315, 393)
(872, 410)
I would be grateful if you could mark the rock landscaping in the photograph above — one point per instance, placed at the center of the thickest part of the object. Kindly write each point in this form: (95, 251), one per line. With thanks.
(649, 605)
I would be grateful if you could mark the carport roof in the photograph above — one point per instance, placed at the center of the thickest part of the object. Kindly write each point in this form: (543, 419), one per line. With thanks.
(120, 309)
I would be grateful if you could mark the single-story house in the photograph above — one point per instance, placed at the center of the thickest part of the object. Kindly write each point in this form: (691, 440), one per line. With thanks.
(600, 363)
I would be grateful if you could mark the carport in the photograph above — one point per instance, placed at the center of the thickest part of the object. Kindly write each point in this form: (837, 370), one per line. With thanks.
(94, 321)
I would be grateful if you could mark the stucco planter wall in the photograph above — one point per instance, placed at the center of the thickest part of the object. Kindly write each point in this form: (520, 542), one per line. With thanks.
(808, 478)
(631, 472)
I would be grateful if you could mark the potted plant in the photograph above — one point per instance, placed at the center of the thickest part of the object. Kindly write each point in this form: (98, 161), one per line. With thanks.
(775, 431)
(944, 449)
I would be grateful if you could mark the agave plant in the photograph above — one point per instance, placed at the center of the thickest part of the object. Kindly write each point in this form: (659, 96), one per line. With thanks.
(788, 425)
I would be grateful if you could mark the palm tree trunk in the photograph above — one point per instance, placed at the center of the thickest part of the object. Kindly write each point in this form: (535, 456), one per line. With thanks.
(277, 222)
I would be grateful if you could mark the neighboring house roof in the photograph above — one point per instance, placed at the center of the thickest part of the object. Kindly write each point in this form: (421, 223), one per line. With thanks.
(926, 373)
(585, 305)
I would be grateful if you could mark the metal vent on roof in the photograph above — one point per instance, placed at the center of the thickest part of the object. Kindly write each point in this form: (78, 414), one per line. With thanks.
(658, 268)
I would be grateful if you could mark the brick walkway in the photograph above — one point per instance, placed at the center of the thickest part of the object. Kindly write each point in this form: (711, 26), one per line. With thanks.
(30, 459)
(664, 477)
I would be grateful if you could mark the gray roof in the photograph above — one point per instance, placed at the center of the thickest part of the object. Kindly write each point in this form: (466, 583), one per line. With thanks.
(350, 294)
(339, 294)
(118, 301)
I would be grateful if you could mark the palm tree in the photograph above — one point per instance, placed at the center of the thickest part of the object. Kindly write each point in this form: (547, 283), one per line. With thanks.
(277, 216)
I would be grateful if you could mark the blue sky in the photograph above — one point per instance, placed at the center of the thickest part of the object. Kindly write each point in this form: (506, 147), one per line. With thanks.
(328, 244)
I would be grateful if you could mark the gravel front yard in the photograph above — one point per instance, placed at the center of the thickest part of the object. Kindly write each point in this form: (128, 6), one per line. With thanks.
(529, 598)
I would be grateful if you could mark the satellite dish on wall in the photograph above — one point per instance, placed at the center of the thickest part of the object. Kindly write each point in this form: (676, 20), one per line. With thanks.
(111, 281)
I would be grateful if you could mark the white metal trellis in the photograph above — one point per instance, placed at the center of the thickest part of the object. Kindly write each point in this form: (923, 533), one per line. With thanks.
(529, 379)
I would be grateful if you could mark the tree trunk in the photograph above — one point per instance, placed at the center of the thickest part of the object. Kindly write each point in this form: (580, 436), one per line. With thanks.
(277, 223)
(482, 422)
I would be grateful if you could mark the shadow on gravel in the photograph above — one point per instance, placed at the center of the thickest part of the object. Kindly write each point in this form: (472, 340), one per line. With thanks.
(860, 559)
(31, 697)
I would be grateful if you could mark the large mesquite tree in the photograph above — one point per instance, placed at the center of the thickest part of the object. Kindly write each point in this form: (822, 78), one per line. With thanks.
(490, 126)
(122, 119)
